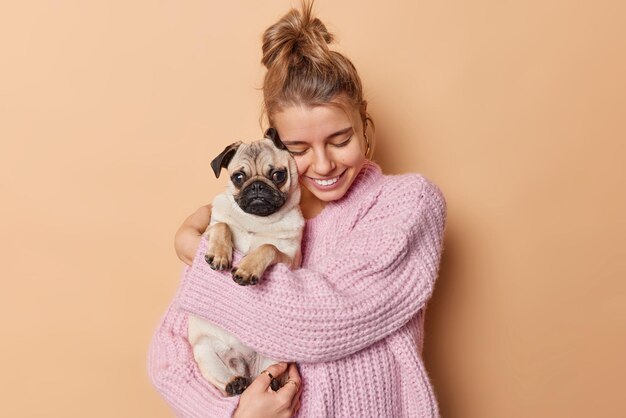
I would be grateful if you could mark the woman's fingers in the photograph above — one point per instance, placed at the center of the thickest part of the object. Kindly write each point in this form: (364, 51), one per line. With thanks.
(296, 407)
(259, 400)
(292, 387)
(263, 380)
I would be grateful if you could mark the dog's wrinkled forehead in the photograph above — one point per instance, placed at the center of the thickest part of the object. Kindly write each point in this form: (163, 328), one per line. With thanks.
(259, 158)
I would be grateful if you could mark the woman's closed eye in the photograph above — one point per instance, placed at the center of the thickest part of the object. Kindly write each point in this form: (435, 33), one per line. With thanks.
(295, 150)
(343, 143)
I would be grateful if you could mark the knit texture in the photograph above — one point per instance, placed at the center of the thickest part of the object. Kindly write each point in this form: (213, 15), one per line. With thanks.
(352, 316)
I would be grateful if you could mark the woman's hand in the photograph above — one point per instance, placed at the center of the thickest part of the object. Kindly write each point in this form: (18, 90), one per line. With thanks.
(188, 236)
(260, 401)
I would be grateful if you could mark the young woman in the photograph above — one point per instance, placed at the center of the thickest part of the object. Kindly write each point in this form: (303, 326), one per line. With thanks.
(352, 315)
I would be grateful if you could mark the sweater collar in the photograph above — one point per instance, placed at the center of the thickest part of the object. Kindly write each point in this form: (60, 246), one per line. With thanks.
(369, 175)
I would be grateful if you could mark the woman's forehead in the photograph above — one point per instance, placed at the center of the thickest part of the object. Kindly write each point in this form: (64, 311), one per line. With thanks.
(304, 124)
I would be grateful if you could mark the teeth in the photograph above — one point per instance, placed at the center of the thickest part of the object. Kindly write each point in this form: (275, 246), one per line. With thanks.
(326, 182)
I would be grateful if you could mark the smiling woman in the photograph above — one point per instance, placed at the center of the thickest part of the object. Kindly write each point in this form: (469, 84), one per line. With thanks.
(352, 314)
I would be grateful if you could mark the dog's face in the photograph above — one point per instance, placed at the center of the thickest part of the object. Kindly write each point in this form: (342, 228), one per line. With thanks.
(262, 174)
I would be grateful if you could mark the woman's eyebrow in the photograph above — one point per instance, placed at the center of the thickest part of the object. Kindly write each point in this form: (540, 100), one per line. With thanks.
(338, 133)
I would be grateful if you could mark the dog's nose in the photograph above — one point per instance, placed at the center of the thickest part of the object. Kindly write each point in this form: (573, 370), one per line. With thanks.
(257, 186)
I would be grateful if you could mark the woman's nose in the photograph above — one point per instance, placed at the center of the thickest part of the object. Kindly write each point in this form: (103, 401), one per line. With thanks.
(323, 163)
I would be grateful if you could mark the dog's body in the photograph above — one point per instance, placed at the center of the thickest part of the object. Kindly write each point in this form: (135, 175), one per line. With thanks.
(261, 218)
(282, 229)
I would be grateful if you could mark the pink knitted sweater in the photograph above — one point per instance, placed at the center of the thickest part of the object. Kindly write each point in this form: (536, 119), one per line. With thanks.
(351, 317)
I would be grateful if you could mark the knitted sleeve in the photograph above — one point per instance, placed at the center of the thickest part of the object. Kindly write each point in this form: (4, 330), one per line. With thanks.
(378, 277)
(174, 373)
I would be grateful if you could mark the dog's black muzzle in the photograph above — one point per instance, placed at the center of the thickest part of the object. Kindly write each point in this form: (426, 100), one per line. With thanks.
(258, 198)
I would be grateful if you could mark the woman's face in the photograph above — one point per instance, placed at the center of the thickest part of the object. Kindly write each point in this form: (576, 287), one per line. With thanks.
(328, 150)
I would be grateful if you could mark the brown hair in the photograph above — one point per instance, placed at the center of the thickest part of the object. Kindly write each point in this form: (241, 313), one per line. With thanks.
(301, 69)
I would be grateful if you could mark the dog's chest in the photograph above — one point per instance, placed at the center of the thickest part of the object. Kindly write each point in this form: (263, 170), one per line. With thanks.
(244, 240)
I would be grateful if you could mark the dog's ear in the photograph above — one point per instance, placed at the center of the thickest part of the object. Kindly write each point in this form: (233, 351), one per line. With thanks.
(224, 158)
(272, 134)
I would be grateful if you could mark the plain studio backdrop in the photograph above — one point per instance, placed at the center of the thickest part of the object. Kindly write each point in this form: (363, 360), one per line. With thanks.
(110, 112)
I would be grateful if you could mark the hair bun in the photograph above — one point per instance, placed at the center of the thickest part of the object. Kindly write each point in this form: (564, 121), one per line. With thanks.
(296, 37)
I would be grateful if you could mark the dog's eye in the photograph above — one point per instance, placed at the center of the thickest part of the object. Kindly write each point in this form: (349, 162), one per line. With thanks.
(279, 176)
(238, 178)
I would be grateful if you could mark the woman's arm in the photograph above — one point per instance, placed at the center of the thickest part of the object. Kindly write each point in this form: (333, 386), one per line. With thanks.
(188, 236)
(380, 276)
(173, 371)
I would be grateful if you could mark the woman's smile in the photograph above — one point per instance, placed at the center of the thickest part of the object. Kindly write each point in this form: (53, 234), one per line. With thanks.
(328, 183)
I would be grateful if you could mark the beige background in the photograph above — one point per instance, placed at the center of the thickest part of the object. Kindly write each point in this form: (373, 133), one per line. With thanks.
(110, 112)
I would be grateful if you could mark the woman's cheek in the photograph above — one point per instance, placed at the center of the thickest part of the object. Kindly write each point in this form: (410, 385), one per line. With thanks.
(353, 158)
(301, 165)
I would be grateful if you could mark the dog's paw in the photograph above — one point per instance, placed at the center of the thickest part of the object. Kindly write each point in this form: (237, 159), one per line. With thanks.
(243, 277)
(250, 269)
(218, 261)
(275, 384)
(237, 385)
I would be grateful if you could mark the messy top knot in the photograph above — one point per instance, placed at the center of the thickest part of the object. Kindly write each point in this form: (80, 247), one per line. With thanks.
(302, 70)
(296, 38)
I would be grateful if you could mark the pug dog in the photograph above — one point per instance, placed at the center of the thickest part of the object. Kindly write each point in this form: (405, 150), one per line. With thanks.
(259, 215)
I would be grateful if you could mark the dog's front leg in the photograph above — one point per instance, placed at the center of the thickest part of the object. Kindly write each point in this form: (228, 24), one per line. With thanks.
(253, 265)
(219, 253)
